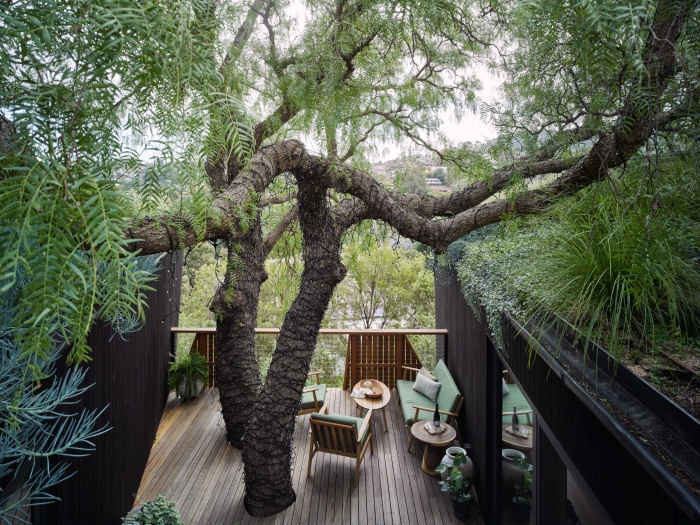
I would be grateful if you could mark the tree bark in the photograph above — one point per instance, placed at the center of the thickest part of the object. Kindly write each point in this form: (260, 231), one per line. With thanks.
(267, 454)
(235, 308)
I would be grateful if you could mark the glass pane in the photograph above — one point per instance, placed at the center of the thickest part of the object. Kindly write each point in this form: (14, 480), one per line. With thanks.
(517, 443)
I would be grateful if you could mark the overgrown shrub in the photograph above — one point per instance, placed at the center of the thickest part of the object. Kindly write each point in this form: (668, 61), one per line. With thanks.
(617, 261)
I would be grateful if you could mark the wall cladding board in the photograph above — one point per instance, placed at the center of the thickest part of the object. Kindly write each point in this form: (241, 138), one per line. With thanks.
(612, 472)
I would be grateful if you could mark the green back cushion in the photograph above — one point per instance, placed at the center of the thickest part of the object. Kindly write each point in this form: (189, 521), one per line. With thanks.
(449, 396)
(307, 398)
(514, 398)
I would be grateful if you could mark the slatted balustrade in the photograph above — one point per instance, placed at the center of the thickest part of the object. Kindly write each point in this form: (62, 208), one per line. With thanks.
(371, 354)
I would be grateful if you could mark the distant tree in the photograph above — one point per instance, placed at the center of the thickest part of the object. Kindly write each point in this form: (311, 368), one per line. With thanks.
(440, 174)
(385, 287)
(411, 180)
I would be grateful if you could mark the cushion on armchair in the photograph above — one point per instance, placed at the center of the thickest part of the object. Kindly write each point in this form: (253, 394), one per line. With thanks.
(343, 420)
(307, 398)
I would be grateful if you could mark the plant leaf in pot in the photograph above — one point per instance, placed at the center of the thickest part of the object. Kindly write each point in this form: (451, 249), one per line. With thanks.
(457, 485)
(188, 375)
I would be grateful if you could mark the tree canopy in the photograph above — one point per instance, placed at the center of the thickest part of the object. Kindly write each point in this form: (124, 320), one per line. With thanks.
(230, 100)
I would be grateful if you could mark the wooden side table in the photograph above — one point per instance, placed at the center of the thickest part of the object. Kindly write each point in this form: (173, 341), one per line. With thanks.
(522, 444)
(435, 445)
(374, 403)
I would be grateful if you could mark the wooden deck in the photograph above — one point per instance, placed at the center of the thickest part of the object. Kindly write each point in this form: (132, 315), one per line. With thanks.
(192, 464)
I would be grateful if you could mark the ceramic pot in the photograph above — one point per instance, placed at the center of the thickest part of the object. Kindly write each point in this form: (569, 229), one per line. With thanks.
(467, 469)
(182, 389)
(510, 470)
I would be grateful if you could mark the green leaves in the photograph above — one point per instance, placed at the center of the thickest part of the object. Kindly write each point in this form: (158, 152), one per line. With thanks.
(99, 92)
(575, 66)
(618, 262)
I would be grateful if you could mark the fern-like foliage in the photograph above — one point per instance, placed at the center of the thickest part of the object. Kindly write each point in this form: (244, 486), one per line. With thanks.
(115, 106)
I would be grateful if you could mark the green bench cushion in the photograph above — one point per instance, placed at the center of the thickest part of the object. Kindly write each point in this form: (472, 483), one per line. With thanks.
(307, 398)
(448, 397)
(344, 420)
(410, 397)
(514, 398)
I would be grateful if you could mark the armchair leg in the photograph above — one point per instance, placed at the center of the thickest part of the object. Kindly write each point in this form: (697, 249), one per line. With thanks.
(410, 442)
(311, 457)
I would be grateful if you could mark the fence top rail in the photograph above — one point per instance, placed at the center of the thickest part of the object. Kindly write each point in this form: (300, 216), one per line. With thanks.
(326, 331)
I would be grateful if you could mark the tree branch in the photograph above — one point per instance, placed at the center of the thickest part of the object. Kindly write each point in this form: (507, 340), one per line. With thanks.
(274, 236)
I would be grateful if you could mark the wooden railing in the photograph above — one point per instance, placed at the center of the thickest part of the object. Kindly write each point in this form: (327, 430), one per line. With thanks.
(371, 354)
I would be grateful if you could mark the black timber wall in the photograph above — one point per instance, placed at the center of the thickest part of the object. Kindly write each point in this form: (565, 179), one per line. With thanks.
(471, 368)
(570, 433)
(616, 477)
(129, 374)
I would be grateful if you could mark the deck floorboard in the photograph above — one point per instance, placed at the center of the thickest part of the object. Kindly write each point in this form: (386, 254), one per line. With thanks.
(191, 463)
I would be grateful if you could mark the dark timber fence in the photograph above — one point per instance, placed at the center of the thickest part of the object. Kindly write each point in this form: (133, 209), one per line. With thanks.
(129, 376)
(575, 436)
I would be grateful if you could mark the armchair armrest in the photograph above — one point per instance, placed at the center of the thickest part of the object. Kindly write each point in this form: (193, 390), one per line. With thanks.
(518, 412)
(367, 421)
(324, 410)
(407, 368)
(313, 390)
(317, 374)
(419, 408)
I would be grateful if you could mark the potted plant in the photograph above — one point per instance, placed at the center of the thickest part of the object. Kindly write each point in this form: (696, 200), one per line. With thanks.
(522, 494)
(159, 511)
(188, 375)
(457, 485)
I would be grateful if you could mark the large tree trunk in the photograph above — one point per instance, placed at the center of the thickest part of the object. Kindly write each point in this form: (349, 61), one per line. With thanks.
(235, 307)
(268, 444)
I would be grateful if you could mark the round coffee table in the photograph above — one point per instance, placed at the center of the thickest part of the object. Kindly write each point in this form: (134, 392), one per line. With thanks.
(435, 445)
(374, 403)
(518, 443)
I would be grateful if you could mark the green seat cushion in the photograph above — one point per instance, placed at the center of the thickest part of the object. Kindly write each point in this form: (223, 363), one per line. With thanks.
(307, 398)
(344, 420)
(449, 396)
(410, 397)
(514, 398)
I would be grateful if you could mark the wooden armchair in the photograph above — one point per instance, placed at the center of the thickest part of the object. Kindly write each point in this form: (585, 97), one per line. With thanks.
(341, 435)
(313, 397)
